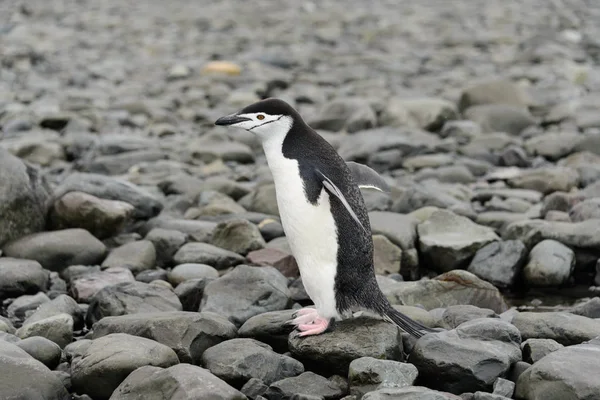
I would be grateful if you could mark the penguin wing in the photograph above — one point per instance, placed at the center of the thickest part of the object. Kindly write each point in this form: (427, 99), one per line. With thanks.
(366, 177)
(333, 189)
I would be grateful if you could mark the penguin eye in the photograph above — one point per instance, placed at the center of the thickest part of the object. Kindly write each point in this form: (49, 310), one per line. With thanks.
(260, 116)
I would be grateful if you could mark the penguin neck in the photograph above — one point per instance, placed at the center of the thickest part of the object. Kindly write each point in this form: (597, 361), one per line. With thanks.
(273, 148)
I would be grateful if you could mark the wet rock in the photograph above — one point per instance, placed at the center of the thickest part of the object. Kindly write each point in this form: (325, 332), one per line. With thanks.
(332, 352)
(25, 376)
(348, 114)
(494, 91)
(42, 349)
(189, 334)
(102, 218)
(238, 360)
(58, 249)
(566, 373)
(135, 256)
(239, 236)
(550, 263)
(536, 349)
(85, 287)
(245, 292)
(449, 241)
(204, 253)
(500, 118)
(166, 243)
(271, 328)
(58, 329)
(367, 374)
(24, 198)
(20, 277)
(305, 384)
(499, 263)
(106, 363)
(185, 272)
(131, 298)
(565, 328)
(182, 381)
(468, 358)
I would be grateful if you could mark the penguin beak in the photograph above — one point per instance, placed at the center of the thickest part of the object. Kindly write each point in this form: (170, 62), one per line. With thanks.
(231, 120)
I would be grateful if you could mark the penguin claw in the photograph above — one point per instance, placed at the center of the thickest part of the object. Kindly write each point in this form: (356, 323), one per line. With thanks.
(318, 326)
(304, 319)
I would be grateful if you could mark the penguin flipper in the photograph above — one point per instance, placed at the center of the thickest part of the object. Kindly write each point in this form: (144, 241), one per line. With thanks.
(366, 177)
(333, 189)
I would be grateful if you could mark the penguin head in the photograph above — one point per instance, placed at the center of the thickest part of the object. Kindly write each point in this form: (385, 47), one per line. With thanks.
(266, 118)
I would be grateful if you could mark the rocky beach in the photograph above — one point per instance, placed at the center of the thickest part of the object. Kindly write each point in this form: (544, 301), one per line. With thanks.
(141, 250)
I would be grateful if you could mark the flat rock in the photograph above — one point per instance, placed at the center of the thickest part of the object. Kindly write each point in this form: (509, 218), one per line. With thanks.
(449, 241)
(204, 253)
(454, 316)
(21, 276)
(58, 329)
(245, 292)
(565, 328)
(568, 373)
(410, 393)
(136, 256)
(584, 234)
(550, 263)
(196, 230)
(332, 352)
(85, 287)
(468, 358)
(368, 374)
(181, 382)
(131, 298)
(499, 263)
(305, 384)
(57, 250)
(24, 377)
(546, 179)
(101, 217)
(238, 360)
(240, 236)
(189, 334)
(536, 349)
(110, 359)
(270, 328)
(493, 91)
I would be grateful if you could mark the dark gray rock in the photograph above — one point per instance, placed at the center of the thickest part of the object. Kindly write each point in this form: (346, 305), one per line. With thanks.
(410, 393)
(568, 373)
(468, 358)
(61, 304)
(21, 276)
(135, 256)
(58, 329)
(106, 363)
(238, 235)
(332, 352)
(367, 374)
(254, 388)
(57, 250)
(536, 349)
(565, 328)
(24, 377)
(245, 292)
(181, 382)
(499, 263)
(456, 315)
(238, 360)
(42, 349)
(104, 187)
(189, 334)
(131, 298)
(550, 263)
(190, 293)
(151, 275)
(204, 253)
(166, 243)
(271, 328)
(305, 384)
(24, 198)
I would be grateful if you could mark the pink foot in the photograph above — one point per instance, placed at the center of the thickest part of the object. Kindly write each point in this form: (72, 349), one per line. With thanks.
(319, 325)
(304, 316)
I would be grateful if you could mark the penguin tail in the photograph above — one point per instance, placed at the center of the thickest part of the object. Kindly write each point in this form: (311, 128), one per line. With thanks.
(407, 324)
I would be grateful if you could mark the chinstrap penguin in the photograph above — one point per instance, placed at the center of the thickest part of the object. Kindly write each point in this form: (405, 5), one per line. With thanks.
(323, 216)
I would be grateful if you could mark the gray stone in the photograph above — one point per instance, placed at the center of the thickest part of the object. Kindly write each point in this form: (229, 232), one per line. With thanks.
(590, 308)
(131, 298)
(536, 349)
(565, 328)
(550, 263)
(546, 179)
(305, 384)
(494, 91)
(21, 305)
(166, 243)
(455, 316)
(262, 199)
(24, 198)
(424, 113)
(245, 292)
(181, 382)
(284, 262)
(254, 388)
(24, 377)
(587, 209)
(106, 363)
(85, 287)
(190, 293)
(568, 373)
(386, 256)
(204, 253)
(42, 349)
(504, 387)
(401, 230)
(499, 263)
(189, 334)
(449, 241)
(58, 329)
(101, 217)
(135, 256)
(239, 236)
(271, 328)
(500, 118)
(57, 250)
(349, 114)
(552, 145)
(238, 360)
(367, 374)
(332, 352)
(582, 235)
(196, 230)
(21, 276)
(468, 358)
(410, 393)
(61, 304)
(186, 272)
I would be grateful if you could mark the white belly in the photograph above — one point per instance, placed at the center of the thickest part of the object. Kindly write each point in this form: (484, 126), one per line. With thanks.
(311, 233)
